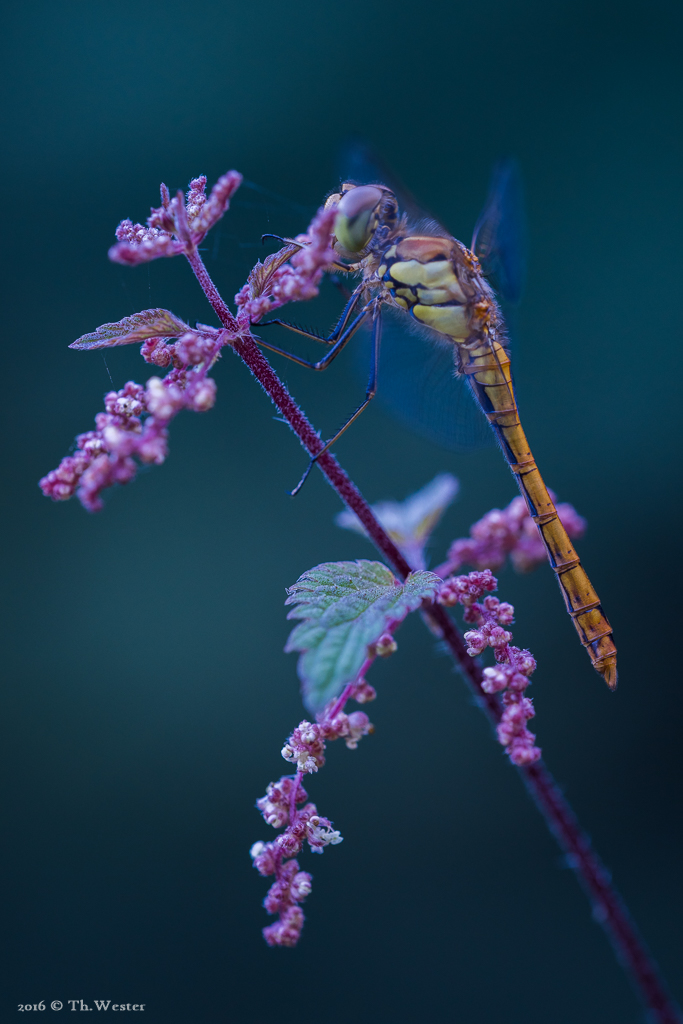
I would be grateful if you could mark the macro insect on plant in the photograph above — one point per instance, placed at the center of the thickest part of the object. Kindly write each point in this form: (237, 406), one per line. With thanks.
(347, 612)
(436, 281)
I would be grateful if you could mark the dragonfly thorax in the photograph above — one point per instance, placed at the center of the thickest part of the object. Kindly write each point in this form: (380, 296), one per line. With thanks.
(437, 281)
(433, 277)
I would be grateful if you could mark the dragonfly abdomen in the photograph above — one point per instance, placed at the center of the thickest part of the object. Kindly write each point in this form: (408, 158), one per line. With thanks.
(488, 367)
(438, 282)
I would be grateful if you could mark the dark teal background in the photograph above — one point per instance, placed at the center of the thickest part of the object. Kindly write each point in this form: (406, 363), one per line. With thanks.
(146, 695)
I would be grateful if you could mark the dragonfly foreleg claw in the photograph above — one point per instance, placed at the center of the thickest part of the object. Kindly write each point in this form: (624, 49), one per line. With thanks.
(293, 493)
(279, 238)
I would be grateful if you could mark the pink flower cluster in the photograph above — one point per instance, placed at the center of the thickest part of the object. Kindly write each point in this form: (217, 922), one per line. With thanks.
(194, 348)
(510, 676)
(291, 885)
(304, 748)
(105, 456)
(509, 531)
(291, 275)
(178, 225)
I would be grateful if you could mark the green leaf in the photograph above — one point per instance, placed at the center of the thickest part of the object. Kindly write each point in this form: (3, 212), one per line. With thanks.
(345, 607)
(150, 323)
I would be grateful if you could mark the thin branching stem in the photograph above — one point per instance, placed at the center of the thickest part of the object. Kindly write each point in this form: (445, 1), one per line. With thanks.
(608, 907)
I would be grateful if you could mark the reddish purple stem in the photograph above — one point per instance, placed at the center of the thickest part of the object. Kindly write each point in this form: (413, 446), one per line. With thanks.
(346, 692)
(608, 907)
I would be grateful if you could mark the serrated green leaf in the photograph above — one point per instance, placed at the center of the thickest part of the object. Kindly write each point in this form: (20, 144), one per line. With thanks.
(345, 607)
(150, 323)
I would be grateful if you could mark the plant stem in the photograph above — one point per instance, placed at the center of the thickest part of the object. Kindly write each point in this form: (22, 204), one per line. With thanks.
(608, 908)
(211, 292)
(344, 695)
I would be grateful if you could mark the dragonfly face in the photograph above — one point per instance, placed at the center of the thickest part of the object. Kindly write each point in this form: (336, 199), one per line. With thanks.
(366, 215)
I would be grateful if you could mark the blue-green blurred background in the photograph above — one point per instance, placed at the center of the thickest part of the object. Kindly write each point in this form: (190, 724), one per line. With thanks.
(146, 695)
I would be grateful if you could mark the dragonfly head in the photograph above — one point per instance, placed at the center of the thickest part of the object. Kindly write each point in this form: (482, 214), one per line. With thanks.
(361, 211)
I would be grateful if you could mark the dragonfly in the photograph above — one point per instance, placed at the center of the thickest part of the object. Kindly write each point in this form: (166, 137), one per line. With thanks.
(443, 294)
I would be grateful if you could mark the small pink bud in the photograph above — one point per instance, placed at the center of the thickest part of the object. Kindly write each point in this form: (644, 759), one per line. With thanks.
(476, 642)
(363, 692)
(301, 886)
(383, 647)
(359, 725)
(526, 663)
(192, 348)
(505, 613)
(153, 446)
(157, 352)
(264, 856)
(498, 637)
(286, 931)
(163, 400)
(204, 396)
(494, 680)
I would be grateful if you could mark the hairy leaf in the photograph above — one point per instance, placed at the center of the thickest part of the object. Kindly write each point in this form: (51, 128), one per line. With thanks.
(260, 277)
(150, 323)
(345, 607)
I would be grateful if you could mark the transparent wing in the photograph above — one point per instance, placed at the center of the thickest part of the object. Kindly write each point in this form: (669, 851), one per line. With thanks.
(418, 383)
(357, 161)
(499, 238)
(235, 243)
(267, 201)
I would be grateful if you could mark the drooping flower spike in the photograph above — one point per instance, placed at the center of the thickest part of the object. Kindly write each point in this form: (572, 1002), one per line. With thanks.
(305, 749)
(106, 456)
(510, 676)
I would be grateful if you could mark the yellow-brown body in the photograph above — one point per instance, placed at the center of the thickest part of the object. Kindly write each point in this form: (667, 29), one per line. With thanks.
(438, 282)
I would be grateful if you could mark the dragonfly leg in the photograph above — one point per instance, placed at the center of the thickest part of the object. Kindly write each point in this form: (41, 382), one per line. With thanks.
(334, 335)
(336, 340)
(370, 393)
(279, 238)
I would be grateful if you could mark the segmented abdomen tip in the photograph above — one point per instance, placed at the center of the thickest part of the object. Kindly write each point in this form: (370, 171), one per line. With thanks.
(608, 671)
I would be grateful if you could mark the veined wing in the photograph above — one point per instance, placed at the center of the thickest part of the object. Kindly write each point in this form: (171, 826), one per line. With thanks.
(499, 238)
(418, 383)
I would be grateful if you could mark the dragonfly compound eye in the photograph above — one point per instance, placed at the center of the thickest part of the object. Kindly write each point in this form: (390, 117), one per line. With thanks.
(357, 217)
